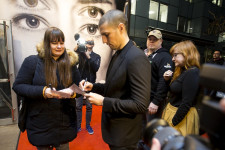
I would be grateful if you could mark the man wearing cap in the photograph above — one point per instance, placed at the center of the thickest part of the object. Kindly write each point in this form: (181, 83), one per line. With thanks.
(89, 63)
(161, 61)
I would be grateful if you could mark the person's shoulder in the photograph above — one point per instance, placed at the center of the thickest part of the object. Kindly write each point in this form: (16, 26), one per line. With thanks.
(73, 56)
(32, 58)
(30, 62)
(135, 51)
(193, 70)
(95, 54)
(163, 52)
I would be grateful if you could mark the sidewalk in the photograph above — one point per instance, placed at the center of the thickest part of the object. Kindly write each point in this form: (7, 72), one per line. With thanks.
(9, 135)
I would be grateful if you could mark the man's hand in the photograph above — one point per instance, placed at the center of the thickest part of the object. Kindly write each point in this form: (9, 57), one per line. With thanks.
(155, 144)
(76, 47)
(85, 86)
(95, 98)
(152, 108)
(87, 53)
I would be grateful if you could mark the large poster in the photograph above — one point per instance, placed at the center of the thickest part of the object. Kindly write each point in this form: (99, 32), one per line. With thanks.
(30, 19)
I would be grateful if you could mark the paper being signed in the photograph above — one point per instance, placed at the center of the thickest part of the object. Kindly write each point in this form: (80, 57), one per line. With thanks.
(63, 94)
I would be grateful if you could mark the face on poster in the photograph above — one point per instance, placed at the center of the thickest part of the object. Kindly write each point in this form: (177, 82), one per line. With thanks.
(30, 19)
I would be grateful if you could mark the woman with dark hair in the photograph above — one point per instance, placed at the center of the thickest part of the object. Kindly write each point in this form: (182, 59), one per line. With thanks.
(51, 119)
(180, 112)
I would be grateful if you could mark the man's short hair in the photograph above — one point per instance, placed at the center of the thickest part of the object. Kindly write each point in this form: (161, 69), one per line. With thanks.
(114, 18)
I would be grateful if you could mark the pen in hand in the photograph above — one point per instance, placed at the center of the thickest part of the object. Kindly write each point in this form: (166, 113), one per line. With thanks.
(84, 83)
(50, 86)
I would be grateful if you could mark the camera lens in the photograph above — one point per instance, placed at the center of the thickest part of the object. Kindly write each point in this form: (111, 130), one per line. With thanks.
(168, 137)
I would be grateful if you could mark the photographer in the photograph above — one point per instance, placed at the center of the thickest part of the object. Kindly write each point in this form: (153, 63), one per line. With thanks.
(89, 63)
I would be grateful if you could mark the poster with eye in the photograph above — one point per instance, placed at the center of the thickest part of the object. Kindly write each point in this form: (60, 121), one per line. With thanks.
(30, 19)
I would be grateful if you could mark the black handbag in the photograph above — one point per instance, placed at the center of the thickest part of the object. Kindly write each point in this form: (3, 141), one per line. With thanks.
(23, 109)
(22, 114)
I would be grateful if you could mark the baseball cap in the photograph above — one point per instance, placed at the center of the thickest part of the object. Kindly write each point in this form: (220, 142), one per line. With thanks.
(155, 33)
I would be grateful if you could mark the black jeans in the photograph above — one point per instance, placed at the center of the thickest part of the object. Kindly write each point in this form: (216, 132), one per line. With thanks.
(79, 105)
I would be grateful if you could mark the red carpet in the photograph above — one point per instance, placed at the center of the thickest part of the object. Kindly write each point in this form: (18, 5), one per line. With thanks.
(83, 141)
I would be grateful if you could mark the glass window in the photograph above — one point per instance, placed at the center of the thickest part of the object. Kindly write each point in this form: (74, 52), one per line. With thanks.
(153, 10)
(133, 7)
(217, 2)
(189, 1)
(189, 28)
(158, 11)
(184, 25)
(181, 24)
(221, 37)
(163, 13)
(214, 1)
(220, 3)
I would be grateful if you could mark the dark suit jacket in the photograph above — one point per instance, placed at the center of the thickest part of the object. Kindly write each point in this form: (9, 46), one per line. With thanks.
(127, 94)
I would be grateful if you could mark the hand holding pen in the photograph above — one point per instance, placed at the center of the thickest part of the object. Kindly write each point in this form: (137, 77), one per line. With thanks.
(85, 85)
(48, 92)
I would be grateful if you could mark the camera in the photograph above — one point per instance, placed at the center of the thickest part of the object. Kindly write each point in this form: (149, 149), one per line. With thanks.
(212, 118)
(81, 43)
(168, 137)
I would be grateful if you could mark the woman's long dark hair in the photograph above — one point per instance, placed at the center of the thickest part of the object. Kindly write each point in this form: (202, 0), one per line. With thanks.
(62, 64)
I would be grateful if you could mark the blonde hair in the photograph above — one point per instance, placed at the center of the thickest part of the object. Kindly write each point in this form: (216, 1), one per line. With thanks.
(190, 53)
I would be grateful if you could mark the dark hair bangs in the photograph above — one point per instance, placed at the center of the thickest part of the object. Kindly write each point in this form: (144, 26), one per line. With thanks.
(56, 36)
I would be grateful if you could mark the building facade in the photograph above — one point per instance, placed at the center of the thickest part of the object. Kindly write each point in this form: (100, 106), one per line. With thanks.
(202, 21)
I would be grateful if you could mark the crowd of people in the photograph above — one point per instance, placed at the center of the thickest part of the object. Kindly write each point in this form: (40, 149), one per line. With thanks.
(139, 86)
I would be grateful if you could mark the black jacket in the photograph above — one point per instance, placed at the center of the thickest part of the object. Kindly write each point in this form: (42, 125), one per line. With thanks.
(161, 61)
(127, 95)
(49, 121)
(183, 93)
(89, 67)
(217, 62)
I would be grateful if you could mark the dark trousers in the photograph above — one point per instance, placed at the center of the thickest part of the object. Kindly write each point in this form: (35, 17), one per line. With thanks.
(129, 147)
(60, 147)
(79, 105)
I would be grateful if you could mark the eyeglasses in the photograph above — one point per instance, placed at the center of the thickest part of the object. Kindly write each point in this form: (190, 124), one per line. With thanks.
(175, 54)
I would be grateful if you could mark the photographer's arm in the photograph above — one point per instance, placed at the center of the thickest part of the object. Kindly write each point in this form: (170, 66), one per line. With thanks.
(76, 47)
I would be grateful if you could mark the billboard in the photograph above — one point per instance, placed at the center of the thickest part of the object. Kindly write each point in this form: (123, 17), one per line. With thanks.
(30, 19)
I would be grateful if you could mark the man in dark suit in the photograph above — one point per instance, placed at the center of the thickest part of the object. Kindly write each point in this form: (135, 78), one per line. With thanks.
(125, 95)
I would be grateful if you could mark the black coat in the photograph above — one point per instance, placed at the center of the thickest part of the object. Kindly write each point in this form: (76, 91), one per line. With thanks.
(89, 67)
(49, 121)
(161, 61)
(127, 96)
